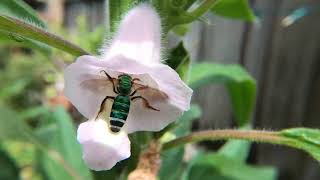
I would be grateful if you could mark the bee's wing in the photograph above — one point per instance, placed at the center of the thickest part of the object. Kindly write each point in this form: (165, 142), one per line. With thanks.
(150, 93)
(98, 84)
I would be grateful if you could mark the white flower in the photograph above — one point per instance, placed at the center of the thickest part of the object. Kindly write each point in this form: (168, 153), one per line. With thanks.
(102, 149)
(134, 51)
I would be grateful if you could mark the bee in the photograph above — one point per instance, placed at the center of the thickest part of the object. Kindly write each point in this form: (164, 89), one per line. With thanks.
(126, 89)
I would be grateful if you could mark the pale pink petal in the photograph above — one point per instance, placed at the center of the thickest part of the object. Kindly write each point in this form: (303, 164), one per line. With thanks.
(85, 85)
(135, 50)
(158, 76)
(102, 149)
(138, 36)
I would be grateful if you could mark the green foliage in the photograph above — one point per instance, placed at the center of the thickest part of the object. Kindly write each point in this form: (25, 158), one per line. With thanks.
(18, 28)
(236, 9)
(172, 165)
(7, 38)
(62, 139)
(11, 124)
(236, 149)
(179, 60)
(19, 9)
(218, 166)
(305, 139)
(241, 86)
(8, 168)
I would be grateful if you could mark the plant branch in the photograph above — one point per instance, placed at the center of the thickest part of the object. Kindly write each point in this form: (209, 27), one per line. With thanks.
(250, 135)
(198, 12)
(17, 27)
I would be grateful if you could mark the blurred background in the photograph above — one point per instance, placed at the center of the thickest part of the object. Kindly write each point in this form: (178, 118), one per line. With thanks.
(281, 50)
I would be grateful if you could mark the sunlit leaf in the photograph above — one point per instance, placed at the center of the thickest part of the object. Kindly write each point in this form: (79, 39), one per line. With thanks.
(241, 86)
(237, 9)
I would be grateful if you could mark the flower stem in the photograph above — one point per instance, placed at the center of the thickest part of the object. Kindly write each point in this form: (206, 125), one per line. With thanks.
(250, 135)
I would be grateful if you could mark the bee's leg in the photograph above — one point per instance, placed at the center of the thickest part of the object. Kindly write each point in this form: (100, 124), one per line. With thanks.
(102, 106)
(138, 89)
(110, 79)
(145, 101)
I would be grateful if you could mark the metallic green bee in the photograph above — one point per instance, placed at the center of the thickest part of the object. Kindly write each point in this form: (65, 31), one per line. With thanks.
(126, 87)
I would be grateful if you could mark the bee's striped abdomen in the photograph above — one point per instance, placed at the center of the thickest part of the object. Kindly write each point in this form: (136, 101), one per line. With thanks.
(119, 112)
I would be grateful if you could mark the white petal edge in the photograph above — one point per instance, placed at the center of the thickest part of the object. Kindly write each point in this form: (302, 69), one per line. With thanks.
(138, 36)
(102, 149)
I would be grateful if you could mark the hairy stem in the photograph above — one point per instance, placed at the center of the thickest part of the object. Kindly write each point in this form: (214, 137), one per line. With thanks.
(250, 135)
(17, 27)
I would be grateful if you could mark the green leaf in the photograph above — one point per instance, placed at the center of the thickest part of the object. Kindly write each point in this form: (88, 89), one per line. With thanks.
(33, 112)
(117, 9)
(19, 9)
(179, 60)
(185, 121)
(217, 166)
(172, 165)
(13, 128)
(63, 140)
(241, 86)
(236, 9)
(305, 139)
(13, 88)
(181, 30)
(20, 29)
(236, 149)
(9, 168)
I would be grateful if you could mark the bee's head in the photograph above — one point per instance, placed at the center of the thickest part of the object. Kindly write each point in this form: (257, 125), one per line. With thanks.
(125, 84)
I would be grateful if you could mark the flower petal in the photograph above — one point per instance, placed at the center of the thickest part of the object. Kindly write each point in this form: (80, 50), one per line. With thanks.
(102, 149)
(157, 76)
(85, 86)
(138, 36)
(163, 78)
